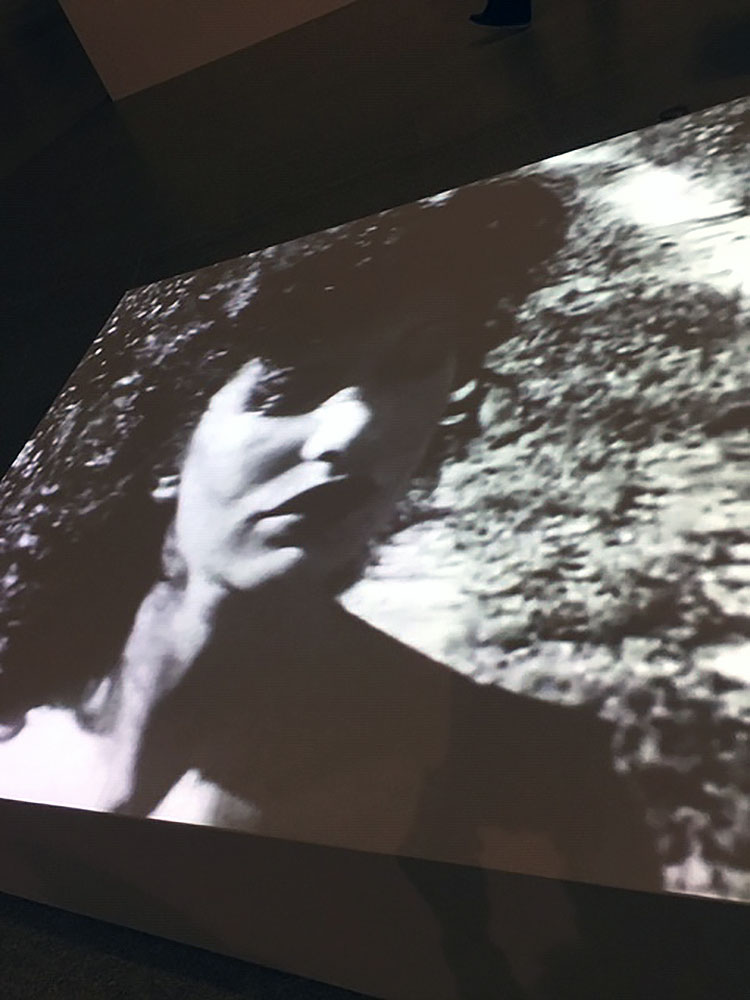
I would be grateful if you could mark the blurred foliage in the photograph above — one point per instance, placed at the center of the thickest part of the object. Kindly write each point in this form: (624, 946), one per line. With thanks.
(604, 511)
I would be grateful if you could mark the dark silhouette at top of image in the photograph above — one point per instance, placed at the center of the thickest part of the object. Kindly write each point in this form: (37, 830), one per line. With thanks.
(504, 14)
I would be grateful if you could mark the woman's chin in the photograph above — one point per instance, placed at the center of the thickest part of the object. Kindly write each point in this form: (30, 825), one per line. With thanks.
(287, 563)
(302, 572)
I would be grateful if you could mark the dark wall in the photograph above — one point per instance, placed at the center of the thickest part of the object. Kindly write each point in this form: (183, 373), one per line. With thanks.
(46, 80)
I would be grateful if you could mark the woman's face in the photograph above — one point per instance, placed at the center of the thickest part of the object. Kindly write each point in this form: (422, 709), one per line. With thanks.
(290, 474)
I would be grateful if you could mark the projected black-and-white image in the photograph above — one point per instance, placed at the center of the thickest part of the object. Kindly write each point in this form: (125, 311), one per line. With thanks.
(428, 534)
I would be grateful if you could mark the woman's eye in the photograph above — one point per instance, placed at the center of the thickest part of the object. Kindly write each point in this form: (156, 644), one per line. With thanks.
(267, 393)
(282, 402)
(288, 392)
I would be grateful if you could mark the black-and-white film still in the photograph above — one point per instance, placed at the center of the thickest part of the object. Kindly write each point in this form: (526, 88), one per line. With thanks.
(427, 535)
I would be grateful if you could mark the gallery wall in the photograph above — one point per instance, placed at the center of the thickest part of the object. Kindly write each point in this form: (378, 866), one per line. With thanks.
(135, 44)
(46, 82)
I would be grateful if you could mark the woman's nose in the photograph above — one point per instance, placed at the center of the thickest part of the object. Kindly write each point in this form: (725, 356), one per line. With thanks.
(339, 424)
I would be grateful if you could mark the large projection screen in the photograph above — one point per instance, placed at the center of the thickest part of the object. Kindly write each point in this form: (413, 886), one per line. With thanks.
(426, 536)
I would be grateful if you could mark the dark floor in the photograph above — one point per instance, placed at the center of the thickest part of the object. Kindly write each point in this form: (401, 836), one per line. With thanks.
(375, 105)
(47, 954)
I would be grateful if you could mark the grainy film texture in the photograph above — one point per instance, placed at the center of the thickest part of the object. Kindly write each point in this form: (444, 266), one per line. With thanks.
(584, 537)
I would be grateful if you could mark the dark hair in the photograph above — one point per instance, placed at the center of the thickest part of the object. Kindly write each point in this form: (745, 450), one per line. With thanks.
(81, 533)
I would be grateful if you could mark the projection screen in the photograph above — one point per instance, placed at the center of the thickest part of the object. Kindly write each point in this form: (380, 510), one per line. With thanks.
(426, 536)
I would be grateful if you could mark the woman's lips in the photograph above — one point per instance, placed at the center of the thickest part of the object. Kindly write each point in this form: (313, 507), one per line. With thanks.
(329, 501)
